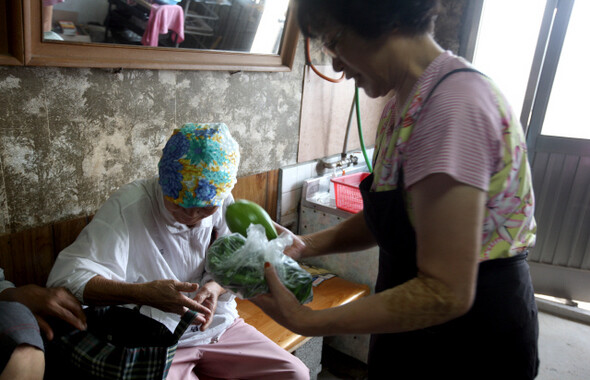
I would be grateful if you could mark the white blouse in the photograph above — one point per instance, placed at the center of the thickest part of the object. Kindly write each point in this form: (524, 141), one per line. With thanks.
(133, 238)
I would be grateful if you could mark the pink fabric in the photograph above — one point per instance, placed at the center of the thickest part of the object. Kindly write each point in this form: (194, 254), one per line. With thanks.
(460, 131)
(164, 18)
(47, 3)
(242, 352)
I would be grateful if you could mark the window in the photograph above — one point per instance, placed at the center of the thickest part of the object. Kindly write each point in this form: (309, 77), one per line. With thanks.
(567, 112)
(506, 44)
(535, 51)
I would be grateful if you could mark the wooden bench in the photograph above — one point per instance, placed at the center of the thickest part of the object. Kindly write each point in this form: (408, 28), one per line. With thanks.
(27, 258)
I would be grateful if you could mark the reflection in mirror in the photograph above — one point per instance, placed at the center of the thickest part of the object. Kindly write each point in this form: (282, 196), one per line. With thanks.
(253, 26)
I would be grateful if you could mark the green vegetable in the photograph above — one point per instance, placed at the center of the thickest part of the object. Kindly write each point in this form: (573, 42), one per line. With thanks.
(242, 213)
(241, 270)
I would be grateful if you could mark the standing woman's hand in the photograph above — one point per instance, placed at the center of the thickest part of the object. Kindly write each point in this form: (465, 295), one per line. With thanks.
(280, 304)
(295, 250)
(352, 235)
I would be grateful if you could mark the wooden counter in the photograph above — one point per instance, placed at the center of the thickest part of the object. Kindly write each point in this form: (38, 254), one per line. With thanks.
(332, 292)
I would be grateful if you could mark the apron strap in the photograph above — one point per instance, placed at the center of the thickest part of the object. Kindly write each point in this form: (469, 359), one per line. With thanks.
(461, 70)
(419, 110)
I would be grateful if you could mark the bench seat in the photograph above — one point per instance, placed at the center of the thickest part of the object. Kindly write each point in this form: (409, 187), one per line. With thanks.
(27, 257)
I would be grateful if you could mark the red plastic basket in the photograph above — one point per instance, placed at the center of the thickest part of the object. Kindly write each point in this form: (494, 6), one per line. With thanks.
(348, 194)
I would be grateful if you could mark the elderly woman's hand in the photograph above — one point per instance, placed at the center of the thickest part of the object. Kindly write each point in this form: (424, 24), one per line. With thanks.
(207, 296)
(169, 296)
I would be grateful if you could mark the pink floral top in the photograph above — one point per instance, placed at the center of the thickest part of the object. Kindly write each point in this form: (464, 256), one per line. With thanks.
(465, 130)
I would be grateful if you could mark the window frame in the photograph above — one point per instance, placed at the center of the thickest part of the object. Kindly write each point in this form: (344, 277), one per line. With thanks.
(545, 60)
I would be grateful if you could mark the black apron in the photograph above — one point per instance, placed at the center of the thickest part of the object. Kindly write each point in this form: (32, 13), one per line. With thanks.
(496, 339)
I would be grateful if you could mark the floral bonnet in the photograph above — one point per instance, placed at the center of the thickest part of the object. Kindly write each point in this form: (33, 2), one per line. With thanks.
(199, 165)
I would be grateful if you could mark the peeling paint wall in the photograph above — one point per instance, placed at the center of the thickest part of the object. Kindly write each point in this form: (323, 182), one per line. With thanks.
(70, 137)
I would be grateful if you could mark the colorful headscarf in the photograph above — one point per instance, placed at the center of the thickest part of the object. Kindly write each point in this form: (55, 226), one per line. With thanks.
(199, 165)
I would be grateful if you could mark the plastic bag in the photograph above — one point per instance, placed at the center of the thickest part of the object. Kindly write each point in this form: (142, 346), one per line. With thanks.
(237, 264)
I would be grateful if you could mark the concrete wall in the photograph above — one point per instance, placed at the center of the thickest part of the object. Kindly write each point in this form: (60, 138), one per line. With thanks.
(70, 137)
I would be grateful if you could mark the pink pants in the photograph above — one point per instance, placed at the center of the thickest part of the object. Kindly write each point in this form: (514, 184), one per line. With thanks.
(242, 352)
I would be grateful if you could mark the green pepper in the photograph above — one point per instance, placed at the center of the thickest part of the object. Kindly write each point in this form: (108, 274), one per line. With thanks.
(240, 214)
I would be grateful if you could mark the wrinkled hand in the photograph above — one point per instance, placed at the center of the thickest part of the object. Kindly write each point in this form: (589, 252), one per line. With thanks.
(295, 250)
(280, 304)
(207, 296)
(50, 302)
(167, 295)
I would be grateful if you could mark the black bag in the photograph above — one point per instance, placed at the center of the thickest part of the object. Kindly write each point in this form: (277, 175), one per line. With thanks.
(120, 343)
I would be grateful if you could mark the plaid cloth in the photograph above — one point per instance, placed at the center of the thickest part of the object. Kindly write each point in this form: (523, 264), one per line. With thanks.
(122, 343)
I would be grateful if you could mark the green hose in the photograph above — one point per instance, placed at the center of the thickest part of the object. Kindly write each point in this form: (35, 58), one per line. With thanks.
(360, 129)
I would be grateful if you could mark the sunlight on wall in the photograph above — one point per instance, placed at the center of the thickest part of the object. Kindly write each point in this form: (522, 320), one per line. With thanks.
(580, 304)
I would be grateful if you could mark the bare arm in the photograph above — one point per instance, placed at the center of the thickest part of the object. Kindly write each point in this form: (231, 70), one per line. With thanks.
(448, 224)
(166, 295)
(349, 236)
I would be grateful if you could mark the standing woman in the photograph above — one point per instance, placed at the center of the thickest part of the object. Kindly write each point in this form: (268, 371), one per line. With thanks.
(450, 204)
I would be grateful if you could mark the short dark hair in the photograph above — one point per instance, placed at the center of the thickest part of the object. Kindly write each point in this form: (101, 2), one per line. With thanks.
(368, 18)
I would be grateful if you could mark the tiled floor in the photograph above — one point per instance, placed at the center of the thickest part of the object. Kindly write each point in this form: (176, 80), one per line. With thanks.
(564, 351)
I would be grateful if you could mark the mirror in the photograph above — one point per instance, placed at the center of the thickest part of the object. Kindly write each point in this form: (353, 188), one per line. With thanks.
(253, 35)
(252, 26)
